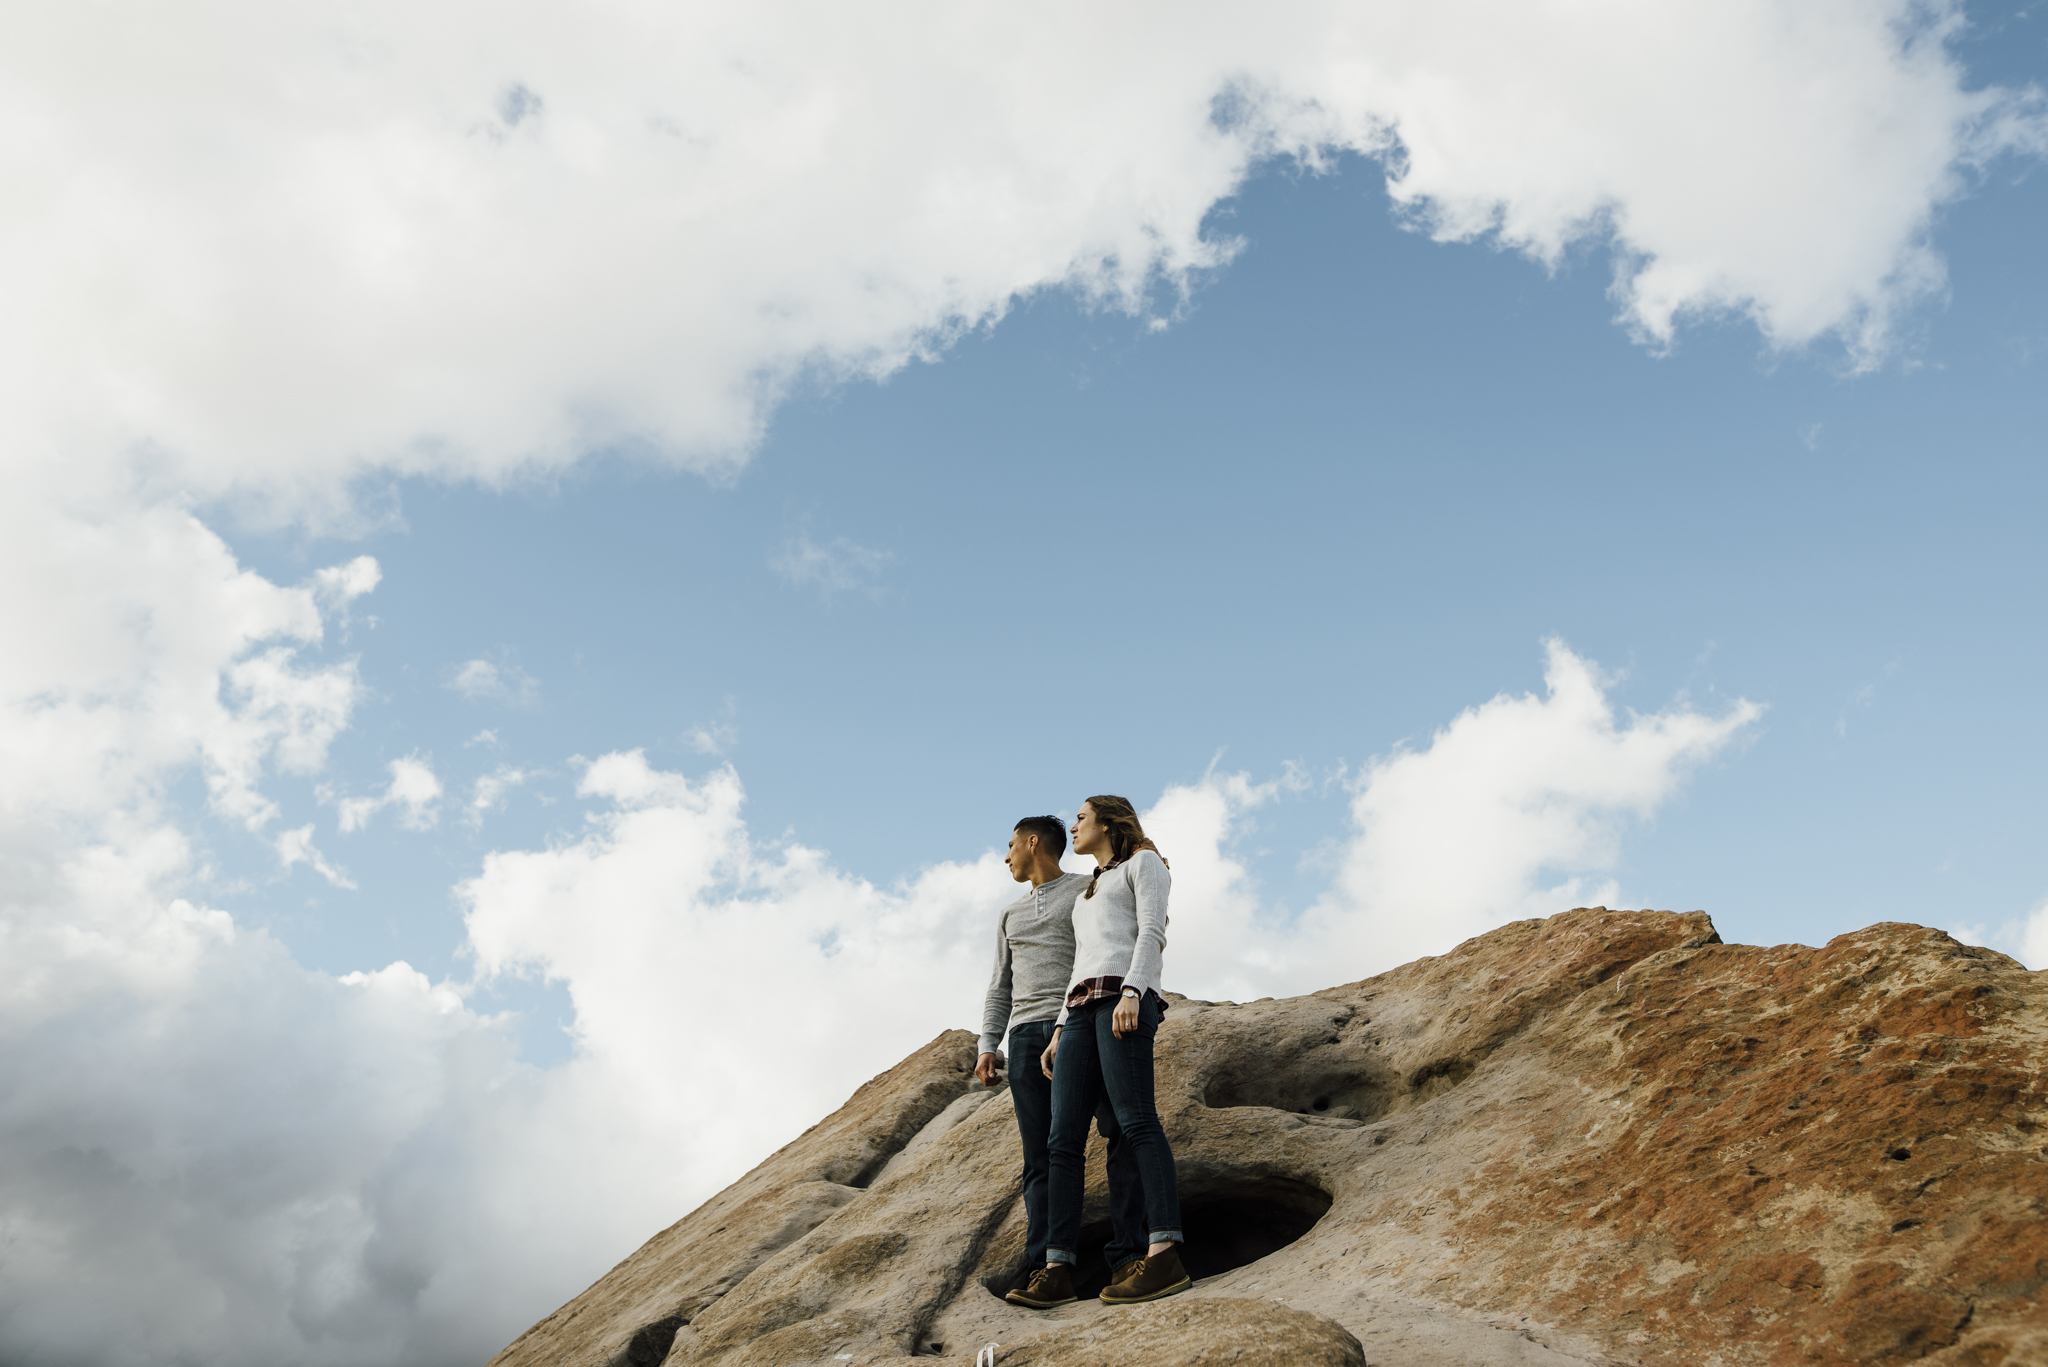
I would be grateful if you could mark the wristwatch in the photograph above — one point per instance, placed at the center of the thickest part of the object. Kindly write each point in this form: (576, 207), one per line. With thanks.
(1132, 992)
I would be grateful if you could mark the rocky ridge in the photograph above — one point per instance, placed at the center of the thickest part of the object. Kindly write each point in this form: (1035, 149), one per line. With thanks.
(1601, 1138)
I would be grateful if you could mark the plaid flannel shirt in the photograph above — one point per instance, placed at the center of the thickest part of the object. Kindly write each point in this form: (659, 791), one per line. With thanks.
(1094, 990)
(1101, 990)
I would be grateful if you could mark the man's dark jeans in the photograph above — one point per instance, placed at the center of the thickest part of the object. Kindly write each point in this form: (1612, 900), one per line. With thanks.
(1031, 1093)
(1094, 1066)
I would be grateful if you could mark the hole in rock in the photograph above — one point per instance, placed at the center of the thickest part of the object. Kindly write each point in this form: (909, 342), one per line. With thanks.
(1434, 1079)
(1899, 1155)
(1335, 1088)
(1229, 1220)
(1307, 1091)
(650, 1343)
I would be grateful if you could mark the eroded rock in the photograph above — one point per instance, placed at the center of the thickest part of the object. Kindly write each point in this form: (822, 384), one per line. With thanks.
(1193, 1332)
(1604, 1137)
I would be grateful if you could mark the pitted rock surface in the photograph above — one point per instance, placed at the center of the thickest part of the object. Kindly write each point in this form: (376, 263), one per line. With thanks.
(1600, 1138)
(1205, 1331)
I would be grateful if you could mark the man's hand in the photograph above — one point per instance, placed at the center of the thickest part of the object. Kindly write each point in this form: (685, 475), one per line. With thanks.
(1052, 1051)
(1125, 1018)
(985, 1070)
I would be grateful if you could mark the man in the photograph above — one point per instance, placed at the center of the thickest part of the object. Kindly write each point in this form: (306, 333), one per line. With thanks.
(1034, 960)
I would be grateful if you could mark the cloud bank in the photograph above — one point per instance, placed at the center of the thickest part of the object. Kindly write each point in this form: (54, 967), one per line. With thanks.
(209, 1153)
(270, 251)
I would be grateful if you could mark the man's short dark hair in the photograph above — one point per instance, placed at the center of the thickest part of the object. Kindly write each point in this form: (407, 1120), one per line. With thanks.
(1050, 830)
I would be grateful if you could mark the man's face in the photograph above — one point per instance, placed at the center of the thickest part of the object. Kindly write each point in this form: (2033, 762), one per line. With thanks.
(1022, 847)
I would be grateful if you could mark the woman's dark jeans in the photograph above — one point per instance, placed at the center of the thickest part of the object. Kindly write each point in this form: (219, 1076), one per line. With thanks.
(1094, 1063)
(1031, 1091)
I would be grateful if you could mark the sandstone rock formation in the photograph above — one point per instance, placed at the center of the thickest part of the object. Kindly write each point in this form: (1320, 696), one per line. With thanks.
(1601, 1138)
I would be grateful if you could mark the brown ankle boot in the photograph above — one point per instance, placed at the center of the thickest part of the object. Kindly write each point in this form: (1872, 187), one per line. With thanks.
(1125, 1269)
(1150, 1279)
(1049, 1286)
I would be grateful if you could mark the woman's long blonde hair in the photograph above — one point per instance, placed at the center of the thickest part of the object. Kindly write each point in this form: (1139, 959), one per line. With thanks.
(1126, 835)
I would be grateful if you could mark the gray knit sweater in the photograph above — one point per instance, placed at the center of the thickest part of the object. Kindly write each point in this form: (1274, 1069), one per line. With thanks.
(1034, 956)
(1121, 930)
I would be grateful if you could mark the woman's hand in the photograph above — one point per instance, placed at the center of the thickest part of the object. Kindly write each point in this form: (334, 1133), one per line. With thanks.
(1052, 1050)
(1125, 1018)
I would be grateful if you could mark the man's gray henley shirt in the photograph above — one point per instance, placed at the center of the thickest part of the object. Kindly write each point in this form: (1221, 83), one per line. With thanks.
(1034, 959)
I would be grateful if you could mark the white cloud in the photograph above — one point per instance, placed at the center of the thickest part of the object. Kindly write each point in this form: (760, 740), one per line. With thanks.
(137, 647)
(643, 918)
(256, 260)
(2030, 946)
(340, 584)
(491, 791)
(208, 1153)
(714, 739)
(414, 789)
(1223, 944)
(1516, 809)
(297, 847)
(2025, 937)
(479, 680)
(838, 566)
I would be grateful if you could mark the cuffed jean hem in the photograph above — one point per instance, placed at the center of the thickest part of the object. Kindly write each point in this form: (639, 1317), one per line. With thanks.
(1058, 1255)
(1166, 1236)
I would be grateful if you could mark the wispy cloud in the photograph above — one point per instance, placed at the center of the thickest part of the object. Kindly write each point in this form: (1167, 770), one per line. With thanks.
(297, 847)
(715, 738)
(414, 790)
(490, 791)
(838, 566)
(1862, 699)
(482, 680)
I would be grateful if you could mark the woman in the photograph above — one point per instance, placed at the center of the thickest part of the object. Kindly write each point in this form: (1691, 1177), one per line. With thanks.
(1101, 1045)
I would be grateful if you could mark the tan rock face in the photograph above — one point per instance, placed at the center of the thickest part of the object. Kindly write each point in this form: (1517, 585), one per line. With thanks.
(1603, 1138)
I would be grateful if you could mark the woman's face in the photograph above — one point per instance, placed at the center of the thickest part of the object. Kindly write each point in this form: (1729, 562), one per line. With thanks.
(1088, 834)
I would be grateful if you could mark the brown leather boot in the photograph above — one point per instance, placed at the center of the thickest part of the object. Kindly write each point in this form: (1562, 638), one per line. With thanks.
(1150, 1279)
(1049, 1286)
(1124, 1269)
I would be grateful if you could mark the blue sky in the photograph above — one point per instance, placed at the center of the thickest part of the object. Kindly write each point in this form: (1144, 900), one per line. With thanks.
(545, 552)
(1342, 495)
